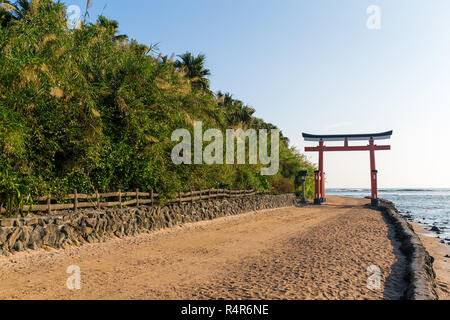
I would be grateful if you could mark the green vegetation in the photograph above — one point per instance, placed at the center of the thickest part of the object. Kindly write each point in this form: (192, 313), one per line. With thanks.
(90, 109)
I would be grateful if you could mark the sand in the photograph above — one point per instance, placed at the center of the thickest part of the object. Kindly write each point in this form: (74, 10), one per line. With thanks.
(290, 253)
(441, 264)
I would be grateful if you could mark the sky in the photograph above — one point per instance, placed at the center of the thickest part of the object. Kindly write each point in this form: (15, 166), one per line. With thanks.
(315, 66)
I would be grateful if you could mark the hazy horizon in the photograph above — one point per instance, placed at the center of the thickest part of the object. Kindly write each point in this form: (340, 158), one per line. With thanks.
(392, 188)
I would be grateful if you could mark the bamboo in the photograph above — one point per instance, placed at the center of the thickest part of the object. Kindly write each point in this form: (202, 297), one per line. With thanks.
(66, 206)
(80, 196)
(129, 194)
(129, 203)
(110, 204)
(109, 194)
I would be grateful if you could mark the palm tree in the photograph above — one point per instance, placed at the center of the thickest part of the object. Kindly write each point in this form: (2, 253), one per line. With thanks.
(237, 112)
(195, 69)
(225, 100)
(247, 114)
(10, 12)
(112, 27)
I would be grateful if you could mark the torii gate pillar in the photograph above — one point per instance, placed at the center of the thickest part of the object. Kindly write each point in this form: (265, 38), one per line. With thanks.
(321, 148)
(373, 175)
(322, 173)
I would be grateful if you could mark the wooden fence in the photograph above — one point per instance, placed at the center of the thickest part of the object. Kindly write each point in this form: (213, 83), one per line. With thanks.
(120, 199)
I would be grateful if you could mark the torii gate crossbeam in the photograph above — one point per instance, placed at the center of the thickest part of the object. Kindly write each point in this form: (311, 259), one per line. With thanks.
(371, 147)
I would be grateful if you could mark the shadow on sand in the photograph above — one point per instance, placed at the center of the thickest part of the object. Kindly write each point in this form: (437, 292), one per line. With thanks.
(395, 283)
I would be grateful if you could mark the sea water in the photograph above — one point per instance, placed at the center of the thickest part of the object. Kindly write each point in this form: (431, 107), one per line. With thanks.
(427, 206)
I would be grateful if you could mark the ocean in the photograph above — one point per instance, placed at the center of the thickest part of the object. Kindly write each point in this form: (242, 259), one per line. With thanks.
(427, 206)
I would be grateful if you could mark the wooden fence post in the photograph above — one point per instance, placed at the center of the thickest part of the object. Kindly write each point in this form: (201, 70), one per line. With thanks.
(151, 197)
(209, 194)
(192, 196)
(179, 197)
(137, 197)
(97, 196)
(75, 200)
(49, 204)
(120, 199)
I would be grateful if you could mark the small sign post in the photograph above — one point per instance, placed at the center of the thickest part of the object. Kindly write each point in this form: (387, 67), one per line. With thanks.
(303, 174)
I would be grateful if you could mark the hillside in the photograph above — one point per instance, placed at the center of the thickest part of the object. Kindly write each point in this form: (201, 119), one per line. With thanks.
(90, 109)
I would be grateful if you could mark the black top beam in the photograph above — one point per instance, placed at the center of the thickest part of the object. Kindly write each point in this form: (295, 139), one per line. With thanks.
(349, 137)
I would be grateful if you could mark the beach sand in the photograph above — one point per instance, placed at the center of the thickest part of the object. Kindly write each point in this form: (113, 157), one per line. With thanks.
(441, 264)
(290, 253)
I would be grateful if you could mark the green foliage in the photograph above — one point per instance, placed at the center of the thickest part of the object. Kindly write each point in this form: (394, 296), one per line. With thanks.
(88, 109)
(283, 185)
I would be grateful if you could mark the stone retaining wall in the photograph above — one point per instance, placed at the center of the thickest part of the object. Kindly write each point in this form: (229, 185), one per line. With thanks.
(421, 277)
(61, 231)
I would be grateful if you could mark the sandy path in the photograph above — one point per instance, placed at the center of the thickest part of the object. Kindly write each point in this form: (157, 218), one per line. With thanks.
(441, 264)
(291, 253)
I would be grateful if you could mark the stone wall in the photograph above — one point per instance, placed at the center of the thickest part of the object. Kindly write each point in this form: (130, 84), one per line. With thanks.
(420, 274)
(61, 231)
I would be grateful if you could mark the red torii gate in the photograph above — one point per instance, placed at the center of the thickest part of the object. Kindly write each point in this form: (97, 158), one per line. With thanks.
(372, 147)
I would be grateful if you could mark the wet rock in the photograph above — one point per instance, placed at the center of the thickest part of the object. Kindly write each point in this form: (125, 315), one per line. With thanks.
(37, 236)
(18, 223)
(50, 233)
(18, 246)
(14, 237)
(25, 235)
(31, 221)
(4, 232)
(6, 222)
(435, 229)
(86, 230)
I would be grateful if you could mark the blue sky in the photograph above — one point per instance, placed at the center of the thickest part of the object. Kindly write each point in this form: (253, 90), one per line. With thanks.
(314, 66)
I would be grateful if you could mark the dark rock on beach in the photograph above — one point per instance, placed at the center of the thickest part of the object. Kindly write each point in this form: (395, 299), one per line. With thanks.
(435, 229)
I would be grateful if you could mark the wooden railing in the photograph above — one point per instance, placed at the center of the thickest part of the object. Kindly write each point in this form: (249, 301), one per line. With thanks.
(121, 199)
